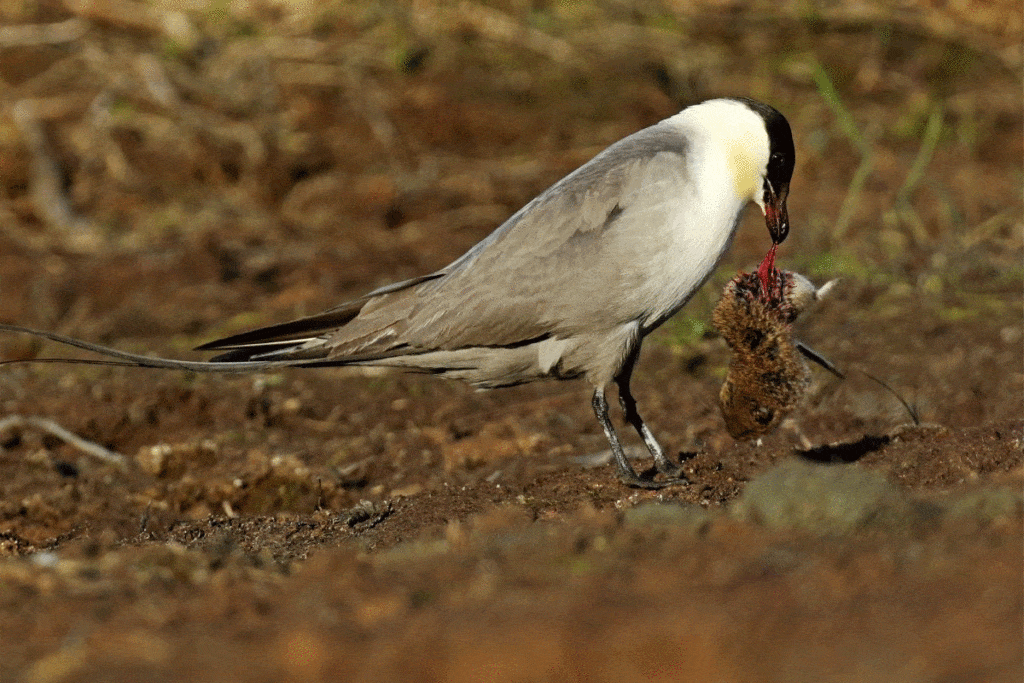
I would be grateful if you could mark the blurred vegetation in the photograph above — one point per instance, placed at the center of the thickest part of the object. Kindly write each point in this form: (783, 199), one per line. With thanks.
(311, 150)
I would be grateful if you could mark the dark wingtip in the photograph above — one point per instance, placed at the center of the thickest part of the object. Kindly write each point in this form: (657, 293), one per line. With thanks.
(283, 334)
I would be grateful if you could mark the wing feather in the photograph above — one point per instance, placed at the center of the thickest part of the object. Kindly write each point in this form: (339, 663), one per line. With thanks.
(568, 261)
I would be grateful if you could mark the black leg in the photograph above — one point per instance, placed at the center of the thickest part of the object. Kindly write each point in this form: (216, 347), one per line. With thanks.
(626, 472)
(661, 461)
(628, 403)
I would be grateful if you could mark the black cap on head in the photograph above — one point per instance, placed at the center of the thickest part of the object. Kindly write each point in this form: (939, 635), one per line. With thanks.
(782, 157)
(781, 160)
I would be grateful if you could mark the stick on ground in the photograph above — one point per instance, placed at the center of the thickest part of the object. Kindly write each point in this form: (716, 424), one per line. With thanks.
(54, 429)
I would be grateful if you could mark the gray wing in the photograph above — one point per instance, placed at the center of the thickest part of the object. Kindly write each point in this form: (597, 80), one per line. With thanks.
(574, 259)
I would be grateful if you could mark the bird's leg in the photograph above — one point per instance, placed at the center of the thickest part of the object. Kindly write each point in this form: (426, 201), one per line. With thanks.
(661, 461)
(632, 415)
(626, 472)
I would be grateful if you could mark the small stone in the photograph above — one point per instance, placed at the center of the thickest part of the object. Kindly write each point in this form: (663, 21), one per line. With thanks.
(824, 499)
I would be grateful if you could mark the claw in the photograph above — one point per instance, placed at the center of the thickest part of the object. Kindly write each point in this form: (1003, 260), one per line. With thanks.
(670, 470)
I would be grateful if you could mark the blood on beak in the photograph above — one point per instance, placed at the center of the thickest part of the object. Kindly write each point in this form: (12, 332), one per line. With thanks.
(767, 274)
(776, 217)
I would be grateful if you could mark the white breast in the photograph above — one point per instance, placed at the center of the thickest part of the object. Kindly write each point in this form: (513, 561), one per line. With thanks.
(696, 223)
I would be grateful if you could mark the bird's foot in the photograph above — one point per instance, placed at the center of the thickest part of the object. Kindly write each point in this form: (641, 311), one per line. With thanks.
(670, 469)
(637, 482)
(633, 480)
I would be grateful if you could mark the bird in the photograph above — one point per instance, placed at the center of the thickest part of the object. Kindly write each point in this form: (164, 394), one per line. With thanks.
(571, 284)
(767, 376)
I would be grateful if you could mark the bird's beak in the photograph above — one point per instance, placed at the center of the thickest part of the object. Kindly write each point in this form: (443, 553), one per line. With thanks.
(775, 215)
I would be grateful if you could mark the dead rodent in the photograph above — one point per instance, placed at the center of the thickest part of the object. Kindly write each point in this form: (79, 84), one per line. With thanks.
(767, 373)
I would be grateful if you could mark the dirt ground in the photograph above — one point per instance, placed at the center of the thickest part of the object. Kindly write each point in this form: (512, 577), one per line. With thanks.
(168, 177)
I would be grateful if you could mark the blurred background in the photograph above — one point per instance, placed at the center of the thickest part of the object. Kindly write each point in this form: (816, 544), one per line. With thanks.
(171, 172)
(175, 171)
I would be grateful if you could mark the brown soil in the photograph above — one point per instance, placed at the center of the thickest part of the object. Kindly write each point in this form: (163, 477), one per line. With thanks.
(349, 525)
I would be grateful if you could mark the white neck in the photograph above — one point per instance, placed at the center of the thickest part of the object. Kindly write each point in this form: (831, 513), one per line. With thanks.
(730, 147)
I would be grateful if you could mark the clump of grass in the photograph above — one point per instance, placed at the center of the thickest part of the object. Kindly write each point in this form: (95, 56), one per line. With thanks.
(860, 141)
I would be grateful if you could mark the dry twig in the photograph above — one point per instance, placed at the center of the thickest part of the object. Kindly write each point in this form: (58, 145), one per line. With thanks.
(54, 429)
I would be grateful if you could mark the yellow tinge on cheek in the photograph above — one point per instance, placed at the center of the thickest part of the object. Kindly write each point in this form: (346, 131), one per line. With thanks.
(743, 166)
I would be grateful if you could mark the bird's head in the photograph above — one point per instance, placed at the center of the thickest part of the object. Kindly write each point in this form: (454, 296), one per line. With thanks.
(777, 170)
(759, 155)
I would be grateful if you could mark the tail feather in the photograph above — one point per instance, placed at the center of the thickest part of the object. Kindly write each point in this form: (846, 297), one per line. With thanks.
(249, 359)
(313, 341)
(137, 360)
